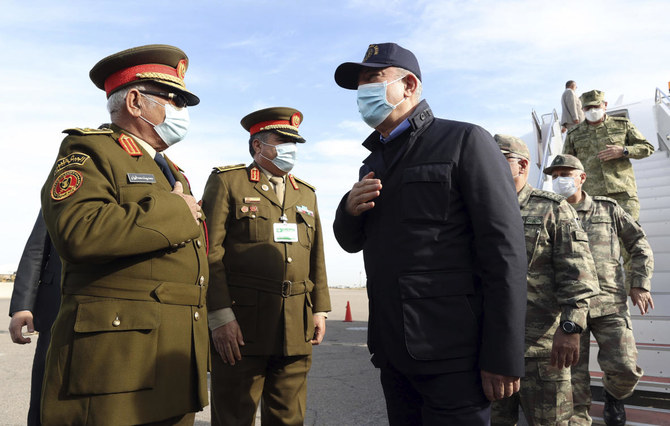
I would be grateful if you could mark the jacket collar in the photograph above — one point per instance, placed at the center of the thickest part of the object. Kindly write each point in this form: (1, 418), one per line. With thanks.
(421, 117)
(584, 205)
(524, 195)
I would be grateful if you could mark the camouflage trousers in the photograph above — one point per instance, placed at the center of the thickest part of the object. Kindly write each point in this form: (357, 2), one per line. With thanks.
(545, 397)
(617, 357)
(631, 205)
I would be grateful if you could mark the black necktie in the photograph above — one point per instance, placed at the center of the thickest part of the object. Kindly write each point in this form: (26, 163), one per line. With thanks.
(160, 160)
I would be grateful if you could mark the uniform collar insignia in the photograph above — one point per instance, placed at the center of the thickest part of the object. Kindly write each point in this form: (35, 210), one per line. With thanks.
(129, 145)
(254, 174)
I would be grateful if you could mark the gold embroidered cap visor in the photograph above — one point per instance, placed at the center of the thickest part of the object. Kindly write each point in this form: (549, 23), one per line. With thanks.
(282, 120)
(156, 63)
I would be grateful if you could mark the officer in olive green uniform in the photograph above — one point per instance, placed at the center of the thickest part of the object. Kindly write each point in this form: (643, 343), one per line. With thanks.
(609, 320)
(561, 281)
(130, 343)
(605, 146)
(268, 294)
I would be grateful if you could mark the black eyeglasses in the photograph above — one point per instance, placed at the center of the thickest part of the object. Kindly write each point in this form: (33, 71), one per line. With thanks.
(179, 100)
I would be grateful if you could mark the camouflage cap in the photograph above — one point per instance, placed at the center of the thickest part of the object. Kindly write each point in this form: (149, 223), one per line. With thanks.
(512, 145)
(157, 63)
(592, 98)
(282, 120)
(564, 160)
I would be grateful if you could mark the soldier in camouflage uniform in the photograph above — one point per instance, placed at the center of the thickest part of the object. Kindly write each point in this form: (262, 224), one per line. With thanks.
(561, 279)
(605, 146)
(609, 320)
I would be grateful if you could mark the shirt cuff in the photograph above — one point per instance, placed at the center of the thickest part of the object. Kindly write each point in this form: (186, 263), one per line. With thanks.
(321, 314)
(220, 317)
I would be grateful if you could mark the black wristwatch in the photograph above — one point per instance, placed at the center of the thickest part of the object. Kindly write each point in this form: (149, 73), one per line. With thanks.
(569, 327)
(625, 151)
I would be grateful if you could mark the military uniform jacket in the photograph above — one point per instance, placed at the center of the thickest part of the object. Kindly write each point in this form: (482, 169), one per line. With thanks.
(130, 343)
(443, 249)
(606, 224)
(614, 176)
(272, 287)
(37, 283)
(561, 272)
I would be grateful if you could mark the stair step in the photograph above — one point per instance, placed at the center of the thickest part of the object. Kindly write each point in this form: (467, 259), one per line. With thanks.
(653, 215)
(653, 182)
(658, 191)
(658, 202)
(661, 228)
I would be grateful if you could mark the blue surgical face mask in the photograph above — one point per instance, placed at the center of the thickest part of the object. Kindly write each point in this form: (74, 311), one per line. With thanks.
(372, 103)
(285, 158)
(175, 126)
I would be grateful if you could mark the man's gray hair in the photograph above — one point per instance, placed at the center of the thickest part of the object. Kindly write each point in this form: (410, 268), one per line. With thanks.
(117, 100)
(261, 136)
(401, 73)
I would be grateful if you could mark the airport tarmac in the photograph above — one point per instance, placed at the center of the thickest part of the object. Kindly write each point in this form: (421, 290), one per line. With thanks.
(343, 386)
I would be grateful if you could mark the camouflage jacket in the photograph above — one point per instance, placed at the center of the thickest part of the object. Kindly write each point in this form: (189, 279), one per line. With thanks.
(561, 272)
(606, 222)
(607, 177)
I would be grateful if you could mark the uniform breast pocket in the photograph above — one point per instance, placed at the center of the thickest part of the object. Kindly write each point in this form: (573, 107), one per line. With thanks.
(602, 238)
(425, 192)
(306, 224)
(532, 228)
(135, 192)
(103, 331)
(252, 222)
(617, 137)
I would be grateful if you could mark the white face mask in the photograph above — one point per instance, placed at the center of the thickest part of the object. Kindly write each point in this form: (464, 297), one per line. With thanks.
(594, 114)
(175, 126)
(564, 185)
(285, 158)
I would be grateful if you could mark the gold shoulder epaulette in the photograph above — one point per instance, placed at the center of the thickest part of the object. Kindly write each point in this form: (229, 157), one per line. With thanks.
(228, 168)
(305, 183)
(603, 198)
(86, 131)
(549, 195)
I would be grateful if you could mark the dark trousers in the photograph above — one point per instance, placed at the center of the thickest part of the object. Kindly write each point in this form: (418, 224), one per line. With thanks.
(440, 399)
(37, 376)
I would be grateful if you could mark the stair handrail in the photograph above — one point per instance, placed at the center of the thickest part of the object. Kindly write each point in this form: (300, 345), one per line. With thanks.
(546, 145)
(661, 97)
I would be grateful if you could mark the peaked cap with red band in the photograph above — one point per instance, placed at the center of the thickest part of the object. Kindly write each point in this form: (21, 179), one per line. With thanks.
(156, 63)
(282, 120)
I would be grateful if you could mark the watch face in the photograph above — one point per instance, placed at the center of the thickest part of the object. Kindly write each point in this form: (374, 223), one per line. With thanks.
(568, 327)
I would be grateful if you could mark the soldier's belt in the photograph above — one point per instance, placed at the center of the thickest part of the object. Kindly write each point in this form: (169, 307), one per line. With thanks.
(170, 293)
(284, 288)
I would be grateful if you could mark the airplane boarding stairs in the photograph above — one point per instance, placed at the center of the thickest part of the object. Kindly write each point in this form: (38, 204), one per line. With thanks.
(651, 401)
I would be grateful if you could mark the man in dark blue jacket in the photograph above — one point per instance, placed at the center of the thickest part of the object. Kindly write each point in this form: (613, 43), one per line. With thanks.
(35, 302)
(436, 215)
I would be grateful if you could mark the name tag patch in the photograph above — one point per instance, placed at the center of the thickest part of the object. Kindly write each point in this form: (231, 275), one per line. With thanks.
(141, 178)
(285, 232)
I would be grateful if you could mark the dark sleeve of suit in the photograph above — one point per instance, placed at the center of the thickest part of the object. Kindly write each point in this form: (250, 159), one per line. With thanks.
(348, 229)
(30, 267)
(499, 251)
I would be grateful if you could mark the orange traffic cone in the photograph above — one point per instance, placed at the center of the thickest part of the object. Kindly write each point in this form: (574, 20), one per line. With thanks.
(347, 315)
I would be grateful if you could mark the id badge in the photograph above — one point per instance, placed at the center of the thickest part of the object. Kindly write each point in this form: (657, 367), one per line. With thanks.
(286, 232)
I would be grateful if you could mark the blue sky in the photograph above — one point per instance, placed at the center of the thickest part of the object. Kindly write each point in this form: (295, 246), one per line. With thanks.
(487, 62)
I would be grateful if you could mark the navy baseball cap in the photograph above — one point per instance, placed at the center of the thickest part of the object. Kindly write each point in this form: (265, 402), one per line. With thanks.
(382, 55)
